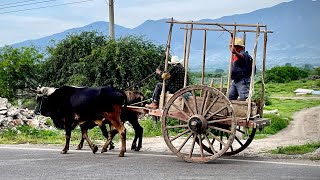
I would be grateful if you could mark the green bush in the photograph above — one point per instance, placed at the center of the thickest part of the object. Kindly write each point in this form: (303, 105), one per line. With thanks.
(150, 128)
(283, 74)
(277, 123)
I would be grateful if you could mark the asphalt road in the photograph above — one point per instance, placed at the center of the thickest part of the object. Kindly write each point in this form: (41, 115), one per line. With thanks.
(44, 162)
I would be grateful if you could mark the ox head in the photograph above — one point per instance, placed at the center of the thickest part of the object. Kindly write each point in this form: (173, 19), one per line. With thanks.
(43, 96)
(135, 98)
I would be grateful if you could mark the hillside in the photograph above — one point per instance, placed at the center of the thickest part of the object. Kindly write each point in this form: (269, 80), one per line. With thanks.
(294, 24)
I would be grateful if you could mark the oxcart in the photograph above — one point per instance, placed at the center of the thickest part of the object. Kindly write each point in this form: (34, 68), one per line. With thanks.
(199, 122)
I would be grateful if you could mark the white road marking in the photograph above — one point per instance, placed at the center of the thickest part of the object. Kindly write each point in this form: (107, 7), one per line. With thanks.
(163, 155)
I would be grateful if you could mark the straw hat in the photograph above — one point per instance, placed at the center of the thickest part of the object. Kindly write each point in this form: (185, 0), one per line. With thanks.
(238, 42)
(175, 60)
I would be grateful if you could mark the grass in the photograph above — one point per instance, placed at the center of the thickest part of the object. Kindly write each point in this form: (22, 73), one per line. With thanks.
(26, 134)
(288, 107)
(293, 150)
(287, 89)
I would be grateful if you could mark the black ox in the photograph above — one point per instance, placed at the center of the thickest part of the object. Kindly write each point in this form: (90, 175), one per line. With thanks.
(71, 106)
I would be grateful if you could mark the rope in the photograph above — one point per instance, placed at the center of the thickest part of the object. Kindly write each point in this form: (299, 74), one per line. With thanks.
(141, 80)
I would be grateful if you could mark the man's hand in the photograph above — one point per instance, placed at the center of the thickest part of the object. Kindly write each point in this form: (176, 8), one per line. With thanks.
(158, 71)
(234, 51)
(166, 76)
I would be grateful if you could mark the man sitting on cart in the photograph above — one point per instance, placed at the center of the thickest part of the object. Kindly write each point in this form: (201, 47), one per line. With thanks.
(241, 70)
(174, 81)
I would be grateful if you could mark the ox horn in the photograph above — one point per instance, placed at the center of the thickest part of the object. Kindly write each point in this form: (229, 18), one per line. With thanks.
(44, 90)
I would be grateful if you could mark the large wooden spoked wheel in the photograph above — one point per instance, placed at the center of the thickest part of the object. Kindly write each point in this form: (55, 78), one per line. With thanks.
(243, 138)
(189, 118)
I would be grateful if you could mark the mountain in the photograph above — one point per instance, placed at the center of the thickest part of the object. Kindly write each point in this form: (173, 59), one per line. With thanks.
(294, 38)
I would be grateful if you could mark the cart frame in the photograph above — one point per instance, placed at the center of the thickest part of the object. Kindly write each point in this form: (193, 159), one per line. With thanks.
(227, 113)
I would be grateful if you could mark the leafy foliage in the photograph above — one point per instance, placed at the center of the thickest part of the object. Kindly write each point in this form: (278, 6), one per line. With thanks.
(283, 74)
(89, 59)
(19, 69)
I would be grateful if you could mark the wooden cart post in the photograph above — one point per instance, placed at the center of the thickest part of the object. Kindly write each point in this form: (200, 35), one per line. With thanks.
(252, 72)
(265, 38)
(204, 56)
(230, 64)
(162, 96)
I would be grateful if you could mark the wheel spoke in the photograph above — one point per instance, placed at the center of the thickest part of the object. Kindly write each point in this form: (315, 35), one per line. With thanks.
(210, 144)
(187, 104)
(219, 110)
(221, 137)
(217, 138)
(195, 101)
(238, 140)
(184, 142)
(240, 130)
(210, 106)
(219, 120)
(181, 111)
(220, 129)
(204, 101)
(180, 134)
(177, 126)
(192, 146)
(200, 144)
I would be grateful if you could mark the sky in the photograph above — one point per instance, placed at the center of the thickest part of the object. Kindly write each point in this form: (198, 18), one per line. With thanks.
(18, 24)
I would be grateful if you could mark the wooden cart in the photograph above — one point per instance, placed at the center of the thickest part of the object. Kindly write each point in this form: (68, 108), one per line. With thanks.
(199, 122)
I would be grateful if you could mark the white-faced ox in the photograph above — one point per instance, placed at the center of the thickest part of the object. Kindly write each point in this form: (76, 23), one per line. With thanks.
(71, 106)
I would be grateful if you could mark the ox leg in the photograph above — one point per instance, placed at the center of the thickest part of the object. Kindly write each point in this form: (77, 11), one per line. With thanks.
(112, 133)
(80, 145)
(104, 131)
(138, 133)
(93, 147)
(68, 136)
(115, 120)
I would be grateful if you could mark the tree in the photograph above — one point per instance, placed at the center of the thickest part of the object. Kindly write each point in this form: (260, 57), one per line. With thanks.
(19, 70)
(62, 65)
(219, 71)
(317, 71)
(90, 59)
(283, 74)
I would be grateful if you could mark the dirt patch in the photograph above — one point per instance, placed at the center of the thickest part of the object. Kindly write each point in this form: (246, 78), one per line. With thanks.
(304, 128)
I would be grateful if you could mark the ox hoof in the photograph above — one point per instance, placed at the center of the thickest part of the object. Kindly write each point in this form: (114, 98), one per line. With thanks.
(104, 150)
(133, 146)
(79, 147)
(121, 154)
(111, 146)
(95, 149)
(64, 152)
(137, 149)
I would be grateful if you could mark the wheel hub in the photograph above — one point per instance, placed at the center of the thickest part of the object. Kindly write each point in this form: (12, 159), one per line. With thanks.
(197, 124)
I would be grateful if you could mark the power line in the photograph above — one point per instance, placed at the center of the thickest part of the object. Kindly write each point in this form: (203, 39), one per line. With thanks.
(17, 2)
(42, 7)
(27, 4)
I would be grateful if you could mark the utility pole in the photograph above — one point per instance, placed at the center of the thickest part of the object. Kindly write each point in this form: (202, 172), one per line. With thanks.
(111, 19)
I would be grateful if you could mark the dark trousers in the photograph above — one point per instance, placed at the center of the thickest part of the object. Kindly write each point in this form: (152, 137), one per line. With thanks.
(240, 88)
(157, 92)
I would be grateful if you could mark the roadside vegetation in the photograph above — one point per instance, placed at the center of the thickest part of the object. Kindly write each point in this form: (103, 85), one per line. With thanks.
(301, 149)
(88, 58)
